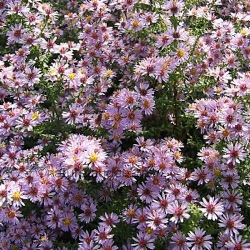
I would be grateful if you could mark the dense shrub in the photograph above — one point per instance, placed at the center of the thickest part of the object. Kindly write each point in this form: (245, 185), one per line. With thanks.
(124, 124)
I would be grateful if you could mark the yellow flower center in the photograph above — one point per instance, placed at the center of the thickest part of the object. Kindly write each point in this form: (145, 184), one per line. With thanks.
(44, 238)
(67, 221)
(71, 76)
(131, 213)
(53, 72)
(93, 157)
(211, 184)
(35, 116)
(16, 196)
(177, 155)
(159, 86)
(218, 90)
(88, 19)
(109, 72)
(4, 244)
(225, 133)
(11, 214)
(197, 52)
(117, 117)
(243, 32)
(180, 53)
(106, 116)
(193, 71)
(15, 247)
(217, 172)
(135, 23)
(117, 137)
(156, 181)
(149, 230)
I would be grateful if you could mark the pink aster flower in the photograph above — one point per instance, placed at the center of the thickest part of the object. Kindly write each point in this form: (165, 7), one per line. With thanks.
(32, 75)
(67, 221)
(182, 53)
(198, 240)
(145, 145)
(178, 242)
(52, 219)
(147, 105)
(146, 193)
(163, 40)
(179, 211)
(147, 66)
(174, 8)
(162, 202)
(234, 153)
(88, 212)
(212, 208)
(143, 242)
(90, 246)
(86, 238)
(3, 194)
(202, 175)
(129, 214)
(15, 33)
(109, 245)
(157, 219)
(232, 223)
(16, 195)
(74, 114)
(102, 234)
(10, 215)
(232, 199)
(109, 219)
(237, 243)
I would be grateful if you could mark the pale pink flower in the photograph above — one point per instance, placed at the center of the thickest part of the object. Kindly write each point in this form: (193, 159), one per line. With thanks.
(198, 240)
(212, 208)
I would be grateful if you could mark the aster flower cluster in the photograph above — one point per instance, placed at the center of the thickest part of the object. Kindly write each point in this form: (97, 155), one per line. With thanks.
(124, 124)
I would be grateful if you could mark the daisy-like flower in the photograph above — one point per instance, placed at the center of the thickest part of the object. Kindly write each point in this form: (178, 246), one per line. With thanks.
(67, 221)
(145, 145)
(16, 195)
(157, 219)
(15, 33)
(179, 211)
(162, 201)
(90, 246)
(174, 8)
(52, 219)
(109, 220)
(146, 193)
(73, 115)
(10, 215)
(147, 105)
(96, 157)
(32, 75)
(237, 243)
(147, 66)
(87, 238)
(179, 242)
(232, 223)
(109, 245)
(198, 240)
(102, 234)
(88, 212)
(181, 53)
(234, 153)
(232, 199)
(143, 242)
(212, 208)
